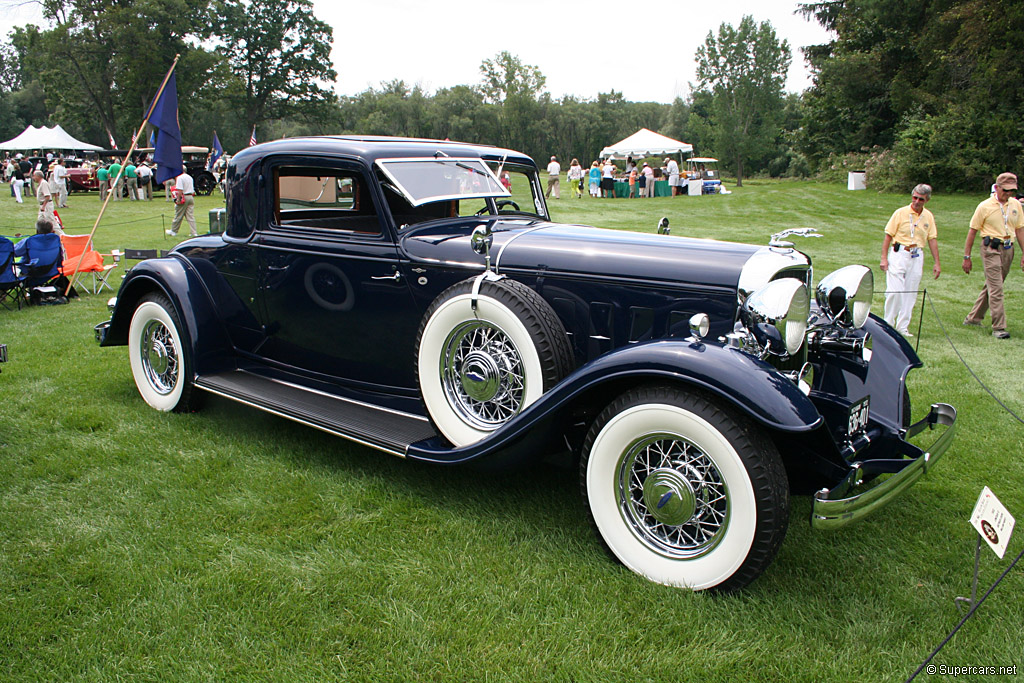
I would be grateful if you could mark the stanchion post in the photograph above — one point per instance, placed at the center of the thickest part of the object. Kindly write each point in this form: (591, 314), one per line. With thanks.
(969, 602)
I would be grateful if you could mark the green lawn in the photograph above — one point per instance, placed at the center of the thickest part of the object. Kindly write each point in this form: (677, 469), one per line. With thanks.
(230, 545)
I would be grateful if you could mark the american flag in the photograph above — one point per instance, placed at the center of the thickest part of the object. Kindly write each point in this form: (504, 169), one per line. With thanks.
(252, 138)
(134, 137)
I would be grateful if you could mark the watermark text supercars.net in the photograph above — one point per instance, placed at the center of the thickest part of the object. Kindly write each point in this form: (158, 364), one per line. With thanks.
(951, 670)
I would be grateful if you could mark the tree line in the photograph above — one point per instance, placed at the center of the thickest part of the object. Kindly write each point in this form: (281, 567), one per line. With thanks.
(909, 90)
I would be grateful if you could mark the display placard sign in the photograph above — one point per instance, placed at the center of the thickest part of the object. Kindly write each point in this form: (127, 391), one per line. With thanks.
(993, 521)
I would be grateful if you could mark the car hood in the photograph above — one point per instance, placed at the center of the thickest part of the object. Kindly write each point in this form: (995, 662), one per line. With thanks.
(580, 250)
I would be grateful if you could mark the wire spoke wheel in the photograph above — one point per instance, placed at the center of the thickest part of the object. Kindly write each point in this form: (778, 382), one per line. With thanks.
(159, 353)
(483, 375)
(673, 496)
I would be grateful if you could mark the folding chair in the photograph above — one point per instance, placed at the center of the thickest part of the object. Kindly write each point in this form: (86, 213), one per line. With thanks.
(90, 263)
(39, 266)
(12, 289)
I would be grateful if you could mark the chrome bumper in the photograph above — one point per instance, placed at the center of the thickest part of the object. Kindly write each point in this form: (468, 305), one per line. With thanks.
(833, 509)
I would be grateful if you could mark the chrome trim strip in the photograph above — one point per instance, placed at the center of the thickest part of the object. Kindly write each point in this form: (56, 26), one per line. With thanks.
(332, 432)
(339, 398)
(836, 513)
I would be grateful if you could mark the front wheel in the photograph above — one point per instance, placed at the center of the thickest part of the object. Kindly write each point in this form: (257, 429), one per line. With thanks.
(161, 361)
(684, 491)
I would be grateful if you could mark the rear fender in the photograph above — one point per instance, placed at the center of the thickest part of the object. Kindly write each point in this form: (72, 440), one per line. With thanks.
(178, 280)
(752, 386)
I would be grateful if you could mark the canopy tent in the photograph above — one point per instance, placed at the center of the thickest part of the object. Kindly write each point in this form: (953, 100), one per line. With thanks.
(645, 143)
(33, 138)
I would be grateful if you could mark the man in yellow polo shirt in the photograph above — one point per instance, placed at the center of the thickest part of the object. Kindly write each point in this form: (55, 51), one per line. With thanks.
(998, 219)
(906, 233)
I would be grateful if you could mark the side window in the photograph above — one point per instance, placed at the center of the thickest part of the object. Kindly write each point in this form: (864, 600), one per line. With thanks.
(326, 198)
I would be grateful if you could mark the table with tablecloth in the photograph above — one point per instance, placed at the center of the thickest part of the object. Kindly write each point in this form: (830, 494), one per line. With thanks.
(661, 188)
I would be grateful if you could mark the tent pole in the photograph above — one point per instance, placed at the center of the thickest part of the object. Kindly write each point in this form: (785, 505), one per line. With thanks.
(135, 140)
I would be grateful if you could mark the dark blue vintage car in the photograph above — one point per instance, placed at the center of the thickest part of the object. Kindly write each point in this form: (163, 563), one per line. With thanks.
(414, 296)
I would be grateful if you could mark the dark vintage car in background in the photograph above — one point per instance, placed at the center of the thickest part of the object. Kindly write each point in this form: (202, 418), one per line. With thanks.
(82, 174)
(394, 292)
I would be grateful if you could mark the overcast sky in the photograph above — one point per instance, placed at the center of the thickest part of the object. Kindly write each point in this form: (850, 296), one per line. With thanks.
(644, 50)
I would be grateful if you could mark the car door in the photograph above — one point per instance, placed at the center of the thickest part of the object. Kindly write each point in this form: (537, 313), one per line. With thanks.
(335, 300)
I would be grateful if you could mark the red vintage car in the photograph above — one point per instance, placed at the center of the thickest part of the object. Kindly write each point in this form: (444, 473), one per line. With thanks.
(82, 178)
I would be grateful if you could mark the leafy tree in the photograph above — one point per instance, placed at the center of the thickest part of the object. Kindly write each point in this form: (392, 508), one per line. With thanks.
(937, 82)
(744, 68)
(505, 76)
(101, 63)
(279, 54)
(514, 90)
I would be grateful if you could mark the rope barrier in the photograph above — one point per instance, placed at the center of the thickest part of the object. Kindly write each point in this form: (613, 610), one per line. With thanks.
(970, 613)
(971, 371)
(137, 220)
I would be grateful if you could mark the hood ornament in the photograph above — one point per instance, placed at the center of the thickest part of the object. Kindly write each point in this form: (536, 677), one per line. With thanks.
(777, 241)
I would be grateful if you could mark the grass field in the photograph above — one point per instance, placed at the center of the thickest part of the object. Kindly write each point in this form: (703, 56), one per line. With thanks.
(229, 545)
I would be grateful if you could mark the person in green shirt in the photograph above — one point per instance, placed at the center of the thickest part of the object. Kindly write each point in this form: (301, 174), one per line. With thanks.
(116, 181)
(132, 180)
(103, 178)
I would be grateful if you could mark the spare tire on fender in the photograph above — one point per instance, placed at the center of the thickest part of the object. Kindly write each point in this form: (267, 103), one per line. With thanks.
(479, 368)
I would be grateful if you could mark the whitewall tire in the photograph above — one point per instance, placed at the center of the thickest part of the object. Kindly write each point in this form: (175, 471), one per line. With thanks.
(683, 491)
(479, 368)
(160, 357)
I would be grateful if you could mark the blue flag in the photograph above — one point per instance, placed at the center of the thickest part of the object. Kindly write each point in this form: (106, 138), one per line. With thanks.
(164, 118)
(217, 152)
(152, 139)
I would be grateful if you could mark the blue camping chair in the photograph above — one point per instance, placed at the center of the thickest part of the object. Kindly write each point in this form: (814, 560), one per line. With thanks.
(12, 289)
(41, 257)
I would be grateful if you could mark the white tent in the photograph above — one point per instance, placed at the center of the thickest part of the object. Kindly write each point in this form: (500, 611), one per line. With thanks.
(645, 143)
(33, 138)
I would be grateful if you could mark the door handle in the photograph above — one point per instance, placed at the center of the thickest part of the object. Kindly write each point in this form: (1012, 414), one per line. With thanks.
(394, 277)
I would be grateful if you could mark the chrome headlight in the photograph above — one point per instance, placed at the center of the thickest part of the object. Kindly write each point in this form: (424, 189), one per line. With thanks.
(845, 295)
(776, 315)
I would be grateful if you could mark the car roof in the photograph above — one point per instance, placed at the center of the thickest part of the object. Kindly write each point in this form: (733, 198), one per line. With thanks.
(373, 147)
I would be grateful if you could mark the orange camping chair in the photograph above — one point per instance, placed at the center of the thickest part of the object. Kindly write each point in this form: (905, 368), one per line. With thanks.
(91, 264)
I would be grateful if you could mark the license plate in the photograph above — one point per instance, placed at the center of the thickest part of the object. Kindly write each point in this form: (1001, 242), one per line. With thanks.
(858, 420)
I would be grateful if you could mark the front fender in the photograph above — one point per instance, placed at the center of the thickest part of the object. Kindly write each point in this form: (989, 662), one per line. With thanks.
(178, 279)
(751, 385)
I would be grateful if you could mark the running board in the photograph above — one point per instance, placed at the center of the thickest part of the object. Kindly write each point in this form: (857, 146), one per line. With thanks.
(388, 430)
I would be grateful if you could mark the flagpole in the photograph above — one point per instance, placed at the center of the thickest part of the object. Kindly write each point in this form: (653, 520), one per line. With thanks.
(135, 139)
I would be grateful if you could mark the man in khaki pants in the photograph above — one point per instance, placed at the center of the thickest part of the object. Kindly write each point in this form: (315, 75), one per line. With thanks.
(998, 219)
(185, 210)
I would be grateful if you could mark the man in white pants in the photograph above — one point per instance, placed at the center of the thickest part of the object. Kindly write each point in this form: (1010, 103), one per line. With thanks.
(908, 229)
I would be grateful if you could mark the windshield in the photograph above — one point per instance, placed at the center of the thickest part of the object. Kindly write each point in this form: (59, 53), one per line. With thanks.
(430, 180)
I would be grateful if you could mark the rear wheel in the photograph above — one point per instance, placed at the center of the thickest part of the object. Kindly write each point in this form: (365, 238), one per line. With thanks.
(684, 491)
(160, 356)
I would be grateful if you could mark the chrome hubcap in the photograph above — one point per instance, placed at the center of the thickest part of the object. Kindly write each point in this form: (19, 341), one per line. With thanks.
(482, 375)
(159, 357)
(669, 497)
(672, 496)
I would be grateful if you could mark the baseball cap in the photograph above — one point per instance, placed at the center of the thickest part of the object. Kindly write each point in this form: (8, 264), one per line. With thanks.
(1007, 181)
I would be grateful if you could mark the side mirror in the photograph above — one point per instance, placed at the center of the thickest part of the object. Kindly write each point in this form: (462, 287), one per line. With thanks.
(481, 239)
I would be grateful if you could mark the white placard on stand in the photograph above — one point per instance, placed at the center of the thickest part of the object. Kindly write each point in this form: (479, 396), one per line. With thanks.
(993, 521)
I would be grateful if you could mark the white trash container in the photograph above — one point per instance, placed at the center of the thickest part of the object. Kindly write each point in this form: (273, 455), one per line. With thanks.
(855, 181)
